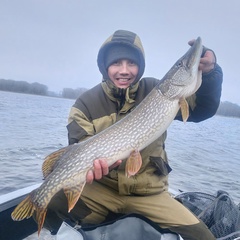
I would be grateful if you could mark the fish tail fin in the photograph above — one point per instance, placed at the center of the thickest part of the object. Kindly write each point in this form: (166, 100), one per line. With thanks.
(40, 217)
(26, 208)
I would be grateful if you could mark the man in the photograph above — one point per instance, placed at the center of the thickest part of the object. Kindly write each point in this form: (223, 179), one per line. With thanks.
(121, 62)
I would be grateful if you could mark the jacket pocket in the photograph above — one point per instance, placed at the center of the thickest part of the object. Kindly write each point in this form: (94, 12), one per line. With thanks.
(162, 167)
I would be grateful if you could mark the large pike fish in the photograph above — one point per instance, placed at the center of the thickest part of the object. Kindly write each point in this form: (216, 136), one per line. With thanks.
(67, 168)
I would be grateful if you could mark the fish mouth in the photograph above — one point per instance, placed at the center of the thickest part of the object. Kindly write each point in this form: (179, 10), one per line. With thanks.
(193, 54)
(191, 60)
(184, 78)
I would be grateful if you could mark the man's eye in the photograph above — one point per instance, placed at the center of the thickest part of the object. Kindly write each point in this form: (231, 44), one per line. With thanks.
(131, 63)
(116, 63)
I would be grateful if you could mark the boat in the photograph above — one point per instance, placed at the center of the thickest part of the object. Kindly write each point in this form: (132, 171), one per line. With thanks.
(27, 228)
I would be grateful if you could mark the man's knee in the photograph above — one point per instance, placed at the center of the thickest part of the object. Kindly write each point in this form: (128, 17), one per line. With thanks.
(197, 231)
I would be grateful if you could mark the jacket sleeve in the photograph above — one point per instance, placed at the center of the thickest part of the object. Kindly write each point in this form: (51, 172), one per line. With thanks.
(205, 102)
(79, 125)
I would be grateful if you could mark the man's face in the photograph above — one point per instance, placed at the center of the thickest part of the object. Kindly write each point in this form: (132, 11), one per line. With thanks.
(123, 73)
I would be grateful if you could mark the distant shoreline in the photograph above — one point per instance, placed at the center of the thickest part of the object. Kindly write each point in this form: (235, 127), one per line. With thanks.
(226, 109)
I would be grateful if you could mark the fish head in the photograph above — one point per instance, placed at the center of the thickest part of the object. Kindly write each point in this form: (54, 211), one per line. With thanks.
(184, 78)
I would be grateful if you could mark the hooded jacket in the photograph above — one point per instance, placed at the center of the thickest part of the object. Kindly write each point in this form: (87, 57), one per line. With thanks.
(103, 105)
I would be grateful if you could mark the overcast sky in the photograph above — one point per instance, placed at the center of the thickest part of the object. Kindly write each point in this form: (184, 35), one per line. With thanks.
(55, 42)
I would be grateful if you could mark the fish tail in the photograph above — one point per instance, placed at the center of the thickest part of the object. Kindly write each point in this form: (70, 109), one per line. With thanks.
(40, 217)
(26, 209)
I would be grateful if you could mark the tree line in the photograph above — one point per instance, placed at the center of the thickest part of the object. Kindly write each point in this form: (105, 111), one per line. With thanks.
(225, 109)
(72, 93)
(229, 109)
(38, 89)
(23, 87)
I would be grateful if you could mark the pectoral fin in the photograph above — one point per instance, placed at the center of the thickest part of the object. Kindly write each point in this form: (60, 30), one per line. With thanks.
(133, 164)
(184, 109)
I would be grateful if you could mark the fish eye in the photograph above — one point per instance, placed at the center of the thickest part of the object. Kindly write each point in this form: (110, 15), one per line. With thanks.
(179, 64)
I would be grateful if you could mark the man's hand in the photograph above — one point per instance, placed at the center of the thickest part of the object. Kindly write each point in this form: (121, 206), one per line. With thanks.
(100, 168)
(207, 61)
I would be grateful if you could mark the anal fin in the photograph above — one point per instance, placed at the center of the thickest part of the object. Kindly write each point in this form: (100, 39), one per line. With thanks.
(73, 194)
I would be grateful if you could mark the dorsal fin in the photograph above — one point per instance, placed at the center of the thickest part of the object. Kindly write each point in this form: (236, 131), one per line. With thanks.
(51, 160)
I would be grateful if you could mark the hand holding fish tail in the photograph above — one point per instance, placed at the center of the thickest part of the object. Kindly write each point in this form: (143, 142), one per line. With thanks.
(208, 59)
(100, 169)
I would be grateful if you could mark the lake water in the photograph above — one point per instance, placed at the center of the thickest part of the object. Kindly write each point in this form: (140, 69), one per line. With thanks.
(204, 156)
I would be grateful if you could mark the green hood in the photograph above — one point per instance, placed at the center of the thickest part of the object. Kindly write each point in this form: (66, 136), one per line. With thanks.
(121, 37)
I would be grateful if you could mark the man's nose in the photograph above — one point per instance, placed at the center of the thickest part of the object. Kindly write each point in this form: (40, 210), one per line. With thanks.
(124, 69)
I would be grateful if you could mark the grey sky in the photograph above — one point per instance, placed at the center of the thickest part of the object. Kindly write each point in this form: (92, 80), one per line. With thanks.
(55, 42)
